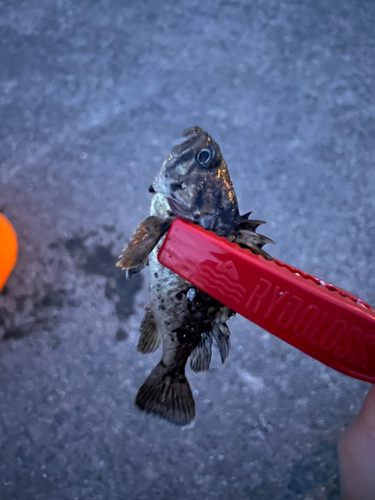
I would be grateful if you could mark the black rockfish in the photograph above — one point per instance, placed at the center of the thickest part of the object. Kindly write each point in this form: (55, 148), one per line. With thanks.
(194, 183)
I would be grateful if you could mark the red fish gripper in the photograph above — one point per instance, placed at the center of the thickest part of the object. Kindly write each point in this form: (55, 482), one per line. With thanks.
(318, 318)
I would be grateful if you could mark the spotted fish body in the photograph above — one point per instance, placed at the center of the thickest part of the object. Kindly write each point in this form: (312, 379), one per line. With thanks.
(194, 183)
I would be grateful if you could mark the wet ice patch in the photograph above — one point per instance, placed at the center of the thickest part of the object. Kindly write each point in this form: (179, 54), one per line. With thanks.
(255, 383)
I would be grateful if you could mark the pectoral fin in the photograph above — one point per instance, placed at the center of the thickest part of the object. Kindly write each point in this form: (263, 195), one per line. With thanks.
(134, 257)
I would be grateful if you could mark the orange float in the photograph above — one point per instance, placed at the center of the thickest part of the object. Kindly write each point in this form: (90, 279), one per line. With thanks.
(8, 249)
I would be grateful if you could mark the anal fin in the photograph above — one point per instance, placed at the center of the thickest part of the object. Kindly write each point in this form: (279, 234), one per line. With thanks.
(166, 393)
(200, 358)
(150, 338)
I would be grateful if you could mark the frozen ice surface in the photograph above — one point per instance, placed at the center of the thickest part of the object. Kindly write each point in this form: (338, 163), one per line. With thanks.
(92, 95)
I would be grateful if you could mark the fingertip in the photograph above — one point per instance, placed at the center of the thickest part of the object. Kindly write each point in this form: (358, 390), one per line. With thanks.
(356, 449)
(366, 416)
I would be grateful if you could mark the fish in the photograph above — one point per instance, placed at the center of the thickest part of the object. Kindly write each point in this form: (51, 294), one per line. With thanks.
(193, 183)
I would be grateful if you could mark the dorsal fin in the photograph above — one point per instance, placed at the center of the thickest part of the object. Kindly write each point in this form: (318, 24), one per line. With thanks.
(245, 216)
(251, 224)
(250, 238)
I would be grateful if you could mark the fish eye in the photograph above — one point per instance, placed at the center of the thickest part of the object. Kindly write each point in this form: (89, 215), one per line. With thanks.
(206, 157)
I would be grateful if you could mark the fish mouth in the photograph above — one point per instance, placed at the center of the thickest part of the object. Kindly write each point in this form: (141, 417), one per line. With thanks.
(179, 208)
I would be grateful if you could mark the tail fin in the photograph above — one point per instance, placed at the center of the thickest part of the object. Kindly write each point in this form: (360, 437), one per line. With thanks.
(167, 394)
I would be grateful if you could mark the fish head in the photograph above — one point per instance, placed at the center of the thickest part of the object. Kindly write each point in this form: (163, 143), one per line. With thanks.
(195, 180)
